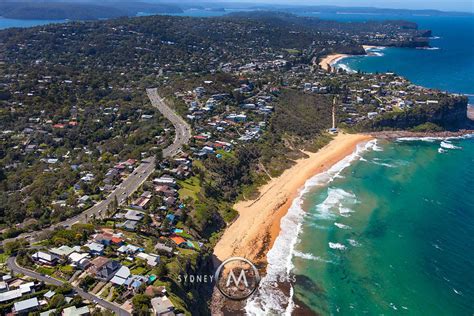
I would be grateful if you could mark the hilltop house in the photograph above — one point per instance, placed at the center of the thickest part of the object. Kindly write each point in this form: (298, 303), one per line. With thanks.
(103, 268)
(45, 258)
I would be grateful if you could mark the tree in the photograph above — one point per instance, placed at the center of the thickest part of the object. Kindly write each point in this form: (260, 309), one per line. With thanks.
(12, 247)
(57, 301)
(158, 157)
(141, 305)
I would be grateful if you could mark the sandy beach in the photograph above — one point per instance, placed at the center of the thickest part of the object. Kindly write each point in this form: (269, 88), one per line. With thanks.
(329, 60)
(367, 47)
(258, 224)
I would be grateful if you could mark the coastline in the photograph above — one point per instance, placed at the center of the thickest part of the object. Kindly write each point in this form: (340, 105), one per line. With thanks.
(254, 232)
(327, 62)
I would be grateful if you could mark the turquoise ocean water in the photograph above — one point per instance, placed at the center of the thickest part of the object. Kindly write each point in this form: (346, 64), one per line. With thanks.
(389, 230)
(392, 233)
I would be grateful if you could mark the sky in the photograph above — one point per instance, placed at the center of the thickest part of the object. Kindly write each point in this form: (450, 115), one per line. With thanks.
(444, 5)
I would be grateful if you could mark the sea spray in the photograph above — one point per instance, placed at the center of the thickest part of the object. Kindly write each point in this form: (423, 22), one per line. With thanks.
(270, 299)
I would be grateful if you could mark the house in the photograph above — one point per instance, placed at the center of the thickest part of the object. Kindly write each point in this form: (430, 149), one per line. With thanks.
(128, 225)
(79, 260)
(63, 251)
(163, 248)
(75, 311)
(95, 248)
(48, 312)
(128, 249)
(104, 239)
(140, 203)
(117, 240)
(45, 258)
(162, 306)
(153, 291)
(133, 215)
(151, 259)
(121, 276)
(10, 295)
(178, 240)
(48, 295)
(165, 180)
(165, 190)
(103, 268)
(26, 306)
(135, 281)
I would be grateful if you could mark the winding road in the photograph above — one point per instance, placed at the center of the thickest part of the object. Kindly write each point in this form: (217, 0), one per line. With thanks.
(182, 128)
(11, 262)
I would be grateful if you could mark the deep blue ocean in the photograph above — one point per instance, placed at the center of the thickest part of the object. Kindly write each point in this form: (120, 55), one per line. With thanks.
(448, 66)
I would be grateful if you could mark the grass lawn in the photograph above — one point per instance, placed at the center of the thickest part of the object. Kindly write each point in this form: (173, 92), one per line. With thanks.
(45, 270)
(3, 258)
(189, 188)
(139, 271)
(66, 269)
(186, 252)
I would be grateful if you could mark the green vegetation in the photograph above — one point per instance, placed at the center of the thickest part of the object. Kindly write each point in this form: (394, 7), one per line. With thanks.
(189, 188)
(427, 127)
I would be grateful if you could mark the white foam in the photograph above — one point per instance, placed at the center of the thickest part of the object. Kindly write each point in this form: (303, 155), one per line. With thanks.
(345, 67)
(432, 139)
(447, 145)
(269, 299)
(342, 226)
(375, 53)
(442, 151)
(354, 243)
(334, 201)
(384, 164)
(336, 245)
(309, 256)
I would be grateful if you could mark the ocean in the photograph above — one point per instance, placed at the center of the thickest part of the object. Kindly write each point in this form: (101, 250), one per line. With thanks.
(390, 228)
(392, 233)
(448, 65)
(8, 23)
(387, 230)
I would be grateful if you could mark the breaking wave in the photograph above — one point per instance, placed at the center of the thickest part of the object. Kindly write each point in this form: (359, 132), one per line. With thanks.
(269, 299)
(337, 246)
(342, 226)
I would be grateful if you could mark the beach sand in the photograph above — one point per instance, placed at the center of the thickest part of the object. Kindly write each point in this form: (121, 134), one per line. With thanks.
(367, 47)
(258, 224)
(329, 60)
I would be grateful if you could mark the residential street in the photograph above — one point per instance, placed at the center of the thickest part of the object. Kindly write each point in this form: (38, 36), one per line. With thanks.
(47, 279)
(134, 180)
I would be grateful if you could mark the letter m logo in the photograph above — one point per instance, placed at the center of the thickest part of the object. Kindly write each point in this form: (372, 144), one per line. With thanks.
(237, 281)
